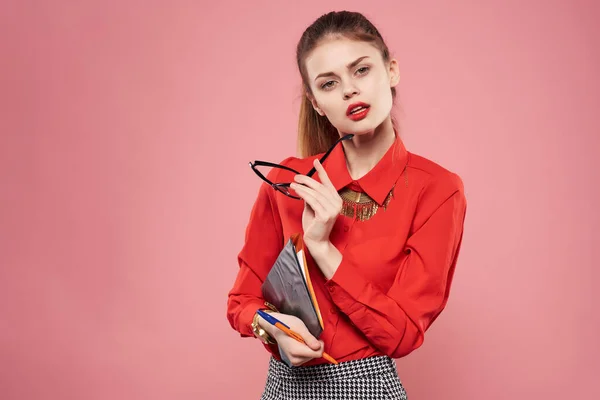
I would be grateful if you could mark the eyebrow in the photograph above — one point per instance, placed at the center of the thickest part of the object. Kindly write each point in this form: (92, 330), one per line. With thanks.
(349, 66)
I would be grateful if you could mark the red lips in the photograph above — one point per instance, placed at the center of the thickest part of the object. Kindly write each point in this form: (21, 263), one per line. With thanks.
(356, 105)
(360, 111)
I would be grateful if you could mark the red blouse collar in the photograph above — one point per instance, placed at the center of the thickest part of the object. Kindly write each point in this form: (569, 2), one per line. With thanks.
(378, 182)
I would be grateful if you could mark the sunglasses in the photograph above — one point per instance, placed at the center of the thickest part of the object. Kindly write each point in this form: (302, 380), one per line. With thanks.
(284, 187)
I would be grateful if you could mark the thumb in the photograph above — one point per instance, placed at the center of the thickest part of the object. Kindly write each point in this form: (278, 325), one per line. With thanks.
(310, 340)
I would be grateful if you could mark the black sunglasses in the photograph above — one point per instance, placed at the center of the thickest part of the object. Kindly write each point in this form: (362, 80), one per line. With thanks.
(284, 187)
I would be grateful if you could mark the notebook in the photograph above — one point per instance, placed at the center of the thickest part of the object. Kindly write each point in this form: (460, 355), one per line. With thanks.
(289, 289)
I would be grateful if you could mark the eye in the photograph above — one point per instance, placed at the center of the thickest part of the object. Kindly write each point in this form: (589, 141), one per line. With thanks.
(362, 70)
(327, 85)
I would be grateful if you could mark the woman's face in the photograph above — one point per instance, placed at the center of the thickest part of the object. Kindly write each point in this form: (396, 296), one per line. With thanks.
(351, 84)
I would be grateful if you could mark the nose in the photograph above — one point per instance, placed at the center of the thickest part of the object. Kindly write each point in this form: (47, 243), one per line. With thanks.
(350, 91)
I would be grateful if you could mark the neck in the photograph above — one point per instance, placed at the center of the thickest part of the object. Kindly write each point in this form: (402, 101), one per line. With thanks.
(364, 151)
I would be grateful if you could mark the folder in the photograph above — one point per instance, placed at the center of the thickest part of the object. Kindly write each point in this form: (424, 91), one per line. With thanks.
(288, 286)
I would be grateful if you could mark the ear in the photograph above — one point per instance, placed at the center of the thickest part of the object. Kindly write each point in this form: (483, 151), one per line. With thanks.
(315, 105)
(394, 71)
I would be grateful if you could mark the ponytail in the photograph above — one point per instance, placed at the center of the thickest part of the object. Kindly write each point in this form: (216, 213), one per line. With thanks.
(315, 133)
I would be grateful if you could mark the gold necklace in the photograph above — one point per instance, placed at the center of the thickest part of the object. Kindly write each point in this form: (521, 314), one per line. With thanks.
(360, 205)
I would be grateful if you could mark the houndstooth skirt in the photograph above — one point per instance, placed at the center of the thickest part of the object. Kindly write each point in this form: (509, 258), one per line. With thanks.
(373, 378)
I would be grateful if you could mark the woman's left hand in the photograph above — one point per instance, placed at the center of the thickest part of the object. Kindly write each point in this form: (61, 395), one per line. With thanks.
(322, 205)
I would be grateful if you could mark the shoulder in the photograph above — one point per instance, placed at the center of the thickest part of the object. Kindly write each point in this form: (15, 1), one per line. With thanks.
(302, 165)
(436, 183)
(432, 173)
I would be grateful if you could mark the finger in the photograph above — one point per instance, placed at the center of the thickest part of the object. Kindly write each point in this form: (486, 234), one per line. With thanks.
(308, 338)
(303, 350)
(311, 183)
(323, 175)
(321, 348)
(308, 195)
(309, 353)
(332, 203)
(328, 198)
(325, 186)
(297, 350)
(323, 210)
(298, 361)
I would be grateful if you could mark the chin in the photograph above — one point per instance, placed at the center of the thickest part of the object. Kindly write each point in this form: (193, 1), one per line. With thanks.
(364, 127)
(362, 132)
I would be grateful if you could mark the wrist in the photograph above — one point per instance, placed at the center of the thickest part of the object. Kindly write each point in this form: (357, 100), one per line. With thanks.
(318, 249)
(262, 329)
(264, 325)
(327, 257)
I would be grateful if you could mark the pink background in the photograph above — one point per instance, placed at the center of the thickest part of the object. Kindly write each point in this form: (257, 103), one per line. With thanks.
(126, 129)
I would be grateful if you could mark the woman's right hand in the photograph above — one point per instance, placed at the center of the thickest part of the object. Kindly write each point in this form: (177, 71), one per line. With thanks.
(298, 353)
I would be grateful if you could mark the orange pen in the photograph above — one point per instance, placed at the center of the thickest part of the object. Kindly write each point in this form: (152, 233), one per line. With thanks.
(280, 325)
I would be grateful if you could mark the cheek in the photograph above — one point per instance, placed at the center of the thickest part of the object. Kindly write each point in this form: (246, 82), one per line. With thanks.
(386, 99)
(330, 107)
(384, 96)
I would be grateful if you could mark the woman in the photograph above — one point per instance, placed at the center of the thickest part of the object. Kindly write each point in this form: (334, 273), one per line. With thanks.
(382, 226)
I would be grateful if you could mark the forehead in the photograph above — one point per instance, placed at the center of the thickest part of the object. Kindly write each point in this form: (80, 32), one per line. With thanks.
(335, 54)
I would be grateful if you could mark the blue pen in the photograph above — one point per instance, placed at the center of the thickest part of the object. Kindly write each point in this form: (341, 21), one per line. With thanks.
(270, 319)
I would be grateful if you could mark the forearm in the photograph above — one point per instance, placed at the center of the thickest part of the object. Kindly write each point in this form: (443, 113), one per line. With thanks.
(240, 311)
(327, 257)
(381, 318)
(378, 316)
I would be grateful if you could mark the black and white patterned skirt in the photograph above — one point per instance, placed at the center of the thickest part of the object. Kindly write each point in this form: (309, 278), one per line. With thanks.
(367, 379)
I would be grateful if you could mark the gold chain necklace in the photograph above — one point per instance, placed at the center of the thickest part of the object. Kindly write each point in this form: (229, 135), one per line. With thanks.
(361, 206)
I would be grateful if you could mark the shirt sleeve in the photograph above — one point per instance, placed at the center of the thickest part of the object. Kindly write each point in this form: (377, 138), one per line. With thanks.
(263, 243)
(395, 321)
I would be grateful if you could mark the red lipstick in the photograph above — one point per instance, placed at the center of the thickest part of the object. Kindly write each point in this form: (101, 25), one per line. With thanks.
(357, 111)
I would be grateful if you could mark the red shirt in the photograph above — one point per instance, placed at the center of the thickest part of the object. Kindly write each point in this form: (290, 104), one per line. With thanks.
(396, 269)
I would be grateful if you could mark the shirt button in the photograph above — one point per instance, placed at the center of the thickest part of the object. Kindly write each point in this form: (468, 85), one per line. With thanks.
(331, 289)
(346, 228)
(333, 311)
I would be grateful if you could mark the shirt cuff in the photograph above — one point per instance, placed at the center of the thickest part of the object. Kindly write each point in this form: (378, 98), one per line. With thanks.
(346, 287)
(246, 317)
